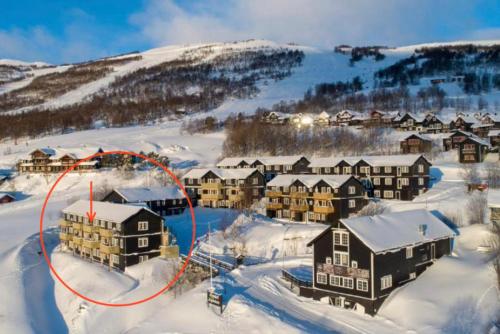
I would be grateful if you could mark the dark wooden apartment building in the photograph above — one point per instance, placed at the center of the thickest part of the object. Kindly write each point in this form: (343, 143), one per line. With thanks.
(49, 160)
(359, 261)
(225, 188)
(473, 149)
(269, 166)
(453, 141)
(401, 177)
(121, 235)
(165, 201)
(416, 143)
(314, 198)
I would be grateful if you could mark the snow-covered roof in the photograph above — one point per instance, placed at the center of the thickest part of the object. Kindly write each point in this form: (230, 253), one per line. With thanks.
(418, 118)
(325, 162)
(74, 153)
(113, 212)
(2, 195)
(494, 133)
(141, 194)
(309, 180)
(396, 230)
(372, 160)
(419, 135)
(234, 173)
(493, 198)
(479, 140)
(268, 161)
(480, 125)
(324, 114)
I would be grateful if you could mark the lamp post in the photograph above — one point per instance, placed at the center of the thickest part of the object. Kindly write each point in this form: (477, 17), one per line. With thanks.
(283, 247)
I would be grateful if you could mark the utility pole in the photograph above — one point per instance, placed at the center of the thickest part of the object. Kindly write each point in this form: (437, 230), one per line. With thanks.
(210, 255)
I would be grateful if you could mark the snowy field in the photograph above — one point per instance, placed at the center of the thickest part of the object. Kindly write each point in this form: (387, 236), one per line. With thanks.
(457, 287)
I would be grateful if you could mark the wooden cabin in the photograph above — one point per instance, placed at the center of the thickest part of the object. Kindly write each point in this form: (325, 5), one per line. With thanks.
(358, 262)
(435, 124)
(473, 149)
(165, 201)
(48, 160)
(416, 143)
(314, 198)
(225, 188)
(409, 122)
(453, 141)
(120, 235)
(6, 198)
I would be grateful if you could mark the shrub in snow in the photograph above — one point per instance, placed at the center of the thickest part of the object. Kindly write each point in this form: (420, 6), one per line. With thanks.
(477, 206)
(372, 209)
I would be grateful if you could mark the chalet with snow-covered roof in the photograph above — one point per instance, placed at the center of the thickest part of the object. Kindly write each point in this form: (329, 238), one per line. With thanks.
(314, 198)
(349, 117)
(494, 205)
(165, 201)
(409, 122)
(49, 160)
(494, 138)
(401, 177)
(120, 235)
(481, 130)
(323, 119)
(473, 149)
(380, 118)
(435, 124)
(416, 143)
(358, 262)
(6, 198)
(225, 188)
(463, 122)
(453, 141)
(274, 117)
(269, 166)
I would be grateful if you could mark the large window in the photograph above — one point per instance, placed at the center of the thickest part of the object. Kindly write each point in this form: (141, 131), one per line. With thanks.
(385, 282)
(321, 278)
(341, 258)
(420, 168)
(341, 238)
(143, 242)
(142, 226)
(342, 282)
(388, 194)
(362, 284)
(388, 181)
(352, 203)
(409, 252)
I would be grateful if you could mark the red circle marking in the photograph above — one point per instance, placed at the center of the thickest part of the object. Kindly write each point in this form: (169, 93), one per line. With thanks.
(169, 284)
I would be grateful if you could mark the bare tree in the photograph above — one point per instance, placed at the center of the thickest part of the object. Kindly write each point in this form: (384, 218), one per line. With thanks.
(470, 174)
(492, 174)
(495, 228)
(477, 208)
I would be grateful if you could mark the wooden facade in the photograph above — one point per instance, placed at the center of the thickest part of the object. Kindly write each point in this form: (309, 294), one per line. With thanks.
(313, 198)
(401, 177)
(352, 270)
(453, 141)
(6, 198)
(415, 144)
(165, 201)
(120, 235)
(472, 150)
(49, 160)
(225, 188)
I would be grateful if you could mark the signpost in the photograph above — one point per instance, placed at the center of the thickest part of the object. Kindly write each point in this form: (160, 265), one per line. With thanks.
(214, 298)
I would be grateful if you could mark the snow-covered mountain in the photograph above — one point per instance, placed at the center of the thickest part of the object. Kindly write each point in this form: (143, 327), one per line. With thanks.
(219, 78)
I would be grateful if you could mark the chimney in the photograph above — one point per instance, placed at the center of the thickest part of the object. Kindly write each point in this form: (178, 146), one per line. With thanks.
(422, 228)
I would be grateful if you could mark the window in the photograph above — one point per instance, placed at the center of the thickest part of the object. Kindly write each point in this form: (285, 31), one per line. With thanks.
(388, 181)
(362, 284)
(405, 181)
(327, 170)
(405, 169)
(352, 203)
(255, 192)
(343, 282)
(413, 275)
(341, 238)
(255, 180)
(352, 190)
(385, 282)
(321, 278)
(336, 170)
(142, 226)
(376, 169)
(341, 258)
(143, 242)
(388, 194)
(143, 258)
(354, 264)
(376, 193)
(387, 169)
(376, 181)
(420, 181)
(328, 260)
(115, 259)
(409, 252)
(347, 170)
(420, 168)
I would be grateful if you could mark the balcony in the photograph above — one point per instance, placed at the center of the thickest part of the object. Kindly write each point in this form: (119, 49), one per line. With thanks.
(235, 198)
(211, 185)
(65, 236)
(273, 193)
(77, 226)
(274, 206)
(64, 223)
(211, 197)
(90, 228)
(106, 233)
(298, 194)
(323, 196)
(323, 209)
(108, 249)
(91, 243)
(77, 241)
(299, 207)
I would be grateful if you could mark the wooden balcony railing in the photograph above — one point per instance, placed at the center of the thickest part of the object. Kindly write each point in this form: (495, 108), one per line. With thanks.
(299, 207)
(298, 194)
(108, 249)
(323, 196)
(91, 243)
(65, 236)
(323, 209)
(273, 193)
(274, 206)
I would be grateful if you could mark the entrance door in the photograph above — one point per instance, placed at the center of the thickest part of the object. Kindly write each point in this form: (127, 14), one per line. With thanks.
(398, 195)
(399, 171)
(278, 214)
(433, 251)
(399, 183)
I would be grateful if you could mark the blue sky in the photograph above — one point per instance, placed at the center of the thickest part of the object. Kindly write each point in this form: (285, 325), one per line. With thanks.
(59, 31)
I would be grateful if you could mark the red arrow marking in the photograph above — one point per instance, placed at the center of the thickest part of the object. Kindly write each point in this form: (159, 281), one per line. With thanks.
(91, 214)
